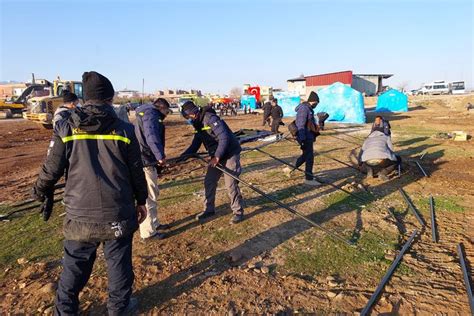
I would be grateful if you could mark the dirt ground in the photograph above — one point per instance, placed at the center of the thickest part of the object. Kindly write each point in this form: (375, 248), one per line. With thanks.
(274, 262)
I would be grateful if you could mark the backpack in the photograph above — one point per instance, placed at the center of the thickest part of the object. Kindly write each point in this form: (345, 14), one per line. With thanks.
(310, 126)
(293, 129)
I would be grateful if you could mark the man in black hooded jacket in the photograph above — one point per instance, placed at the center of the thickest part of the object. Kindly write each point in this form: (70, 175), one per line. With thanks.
(104, 196)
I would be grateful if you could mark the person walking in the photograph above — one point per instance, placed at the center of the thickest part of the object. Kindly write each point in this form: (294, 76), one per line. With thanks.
(150, 132)
(104, 197)
(224, 149)
(276, 115)
(307, 131)
(267, 109)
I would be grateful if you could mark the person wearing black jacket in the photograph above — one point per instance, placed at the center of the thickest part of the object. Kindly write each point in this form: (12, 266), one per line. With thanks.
(267, 109)
(150, 132)
(224, 149)
(104, 197)
(276, 115)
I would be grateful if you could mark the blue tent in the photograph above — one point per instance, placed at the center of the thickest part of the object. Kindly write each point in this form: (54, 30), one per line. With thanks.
(392, 101)
(342, 103)
(288, 102)
(249, 101)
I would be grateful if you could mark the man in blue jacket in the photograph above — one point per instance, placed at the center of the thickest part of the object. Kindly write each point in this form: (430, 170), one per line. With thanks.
(150, 132)
(224, 149)
(306, 136)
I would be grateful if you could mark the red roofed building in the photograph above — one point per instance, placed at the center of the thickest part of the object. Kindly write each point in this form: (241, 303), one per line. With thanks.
(368, 84)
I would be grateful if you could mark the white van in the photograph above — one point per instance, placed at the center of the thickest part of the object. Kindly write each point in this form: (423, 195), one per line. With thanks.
(436, 87)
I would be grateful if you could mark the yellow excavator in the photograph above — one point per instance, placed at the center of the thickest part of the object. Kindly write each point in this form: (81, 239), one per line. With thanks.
(17, 106)
(41, 108)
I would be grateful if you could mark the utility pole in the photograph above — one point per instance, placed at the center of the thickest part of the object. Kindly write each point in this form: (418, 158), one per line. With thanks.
(143, 90)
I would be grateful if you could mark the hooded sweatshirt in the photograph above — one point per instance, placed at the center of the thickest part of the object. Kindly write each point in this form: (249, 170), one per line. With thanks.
(377, 146)
(104, 171)
(304, 113)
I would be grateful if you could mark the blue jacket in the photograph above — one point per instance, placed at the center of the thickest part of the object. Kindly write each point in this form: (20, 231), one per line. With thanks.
(150, 133)
(304, 113)
(216, 136)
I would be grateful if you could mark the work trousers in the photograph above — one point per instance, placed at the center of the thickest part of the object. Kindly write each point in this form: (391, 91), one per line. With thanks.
(210, 185)
(307, 158)
(78, 261)
(275, 125)
(151, 222)
(385, 166)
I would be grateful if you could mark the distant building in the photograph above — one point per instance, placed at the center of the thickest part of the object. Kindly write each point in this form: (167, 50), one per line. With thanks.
(125, 93)
(297, 85)
(367, 84)
(11, 89)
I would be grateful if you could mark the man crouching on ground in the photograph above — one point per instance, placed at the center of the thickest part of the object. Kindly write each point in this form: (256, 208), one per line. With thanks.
(224, 148)
(104, 197)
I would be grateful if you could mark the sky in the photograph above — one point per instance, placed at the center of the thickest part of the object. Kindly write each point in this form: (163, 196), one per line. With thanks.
(217, 45)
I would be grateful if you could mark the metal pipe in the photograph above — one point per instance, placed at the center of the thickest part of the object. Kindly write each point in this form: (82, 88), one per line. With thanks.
(412, 207)
(433, 220)
(465, 273)
(388, 275)
(329, 157)
(421, 168)
(4, 217)
(309, 174)
(286, 207)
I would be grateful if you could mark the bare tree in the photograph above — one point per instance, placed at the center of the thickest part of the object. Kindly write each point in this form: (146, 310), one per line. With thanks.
(235, 92)
(402, 86)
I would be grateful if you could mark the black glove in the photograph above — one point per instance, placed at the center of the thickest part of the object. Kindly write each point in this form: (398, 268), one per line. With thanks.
(47, 207)
(37, 195)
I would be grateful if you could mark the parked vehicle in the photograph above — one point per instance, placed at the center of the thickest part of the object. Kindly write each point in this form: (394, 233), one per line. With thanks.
(434, 88)
(458, 87)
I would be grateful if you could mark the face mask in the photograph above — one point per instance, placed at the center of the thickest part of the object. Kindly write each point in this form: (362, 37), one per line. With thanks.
(189, 121)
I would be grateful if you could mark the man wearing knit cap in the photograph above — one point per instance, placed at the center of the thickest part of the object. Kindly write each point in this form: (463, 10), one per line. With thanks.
(224, 149)
(70, 102)
(104, 197)
(306, 136)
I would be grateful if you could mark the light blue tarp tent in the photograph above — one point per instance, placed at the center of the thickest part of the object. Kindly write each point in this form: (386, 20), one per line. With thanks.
(249, 101)
(392, 101)
(342, 103)
(288, 102)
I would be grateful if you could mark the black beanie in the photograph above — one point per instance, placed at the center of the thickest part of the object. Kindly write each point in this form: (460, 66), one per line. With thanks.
(313, 97)
(189, 108)
(97, 87)
(69, 97)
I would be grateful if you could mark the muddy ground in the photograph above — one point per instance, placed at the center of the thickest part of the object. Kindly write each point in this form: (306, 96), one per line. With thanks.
(272, 262)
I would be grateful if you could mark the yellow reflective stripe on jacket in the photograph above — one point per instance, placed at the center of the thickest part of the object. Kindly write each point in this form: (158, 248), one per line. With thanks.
(92, 136)
(205, 128)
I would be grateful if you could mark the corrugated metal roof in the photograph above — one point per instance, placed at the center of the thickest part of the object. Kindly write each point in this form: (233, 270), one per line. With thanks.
(329, 78)
(384, 76)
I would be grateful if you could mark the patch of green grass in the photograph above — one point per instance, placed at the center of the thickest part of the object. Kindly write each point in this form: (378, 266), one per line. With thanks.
(323, 256)
(337, 199)
(441, 203)
(223, 233)
(28, 236)
(179, 194)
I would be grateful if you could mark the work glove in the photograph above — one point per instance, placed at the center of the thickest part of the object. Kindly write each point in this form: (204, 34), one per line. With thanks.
(47, 207)
(47, 200)
(37, 195)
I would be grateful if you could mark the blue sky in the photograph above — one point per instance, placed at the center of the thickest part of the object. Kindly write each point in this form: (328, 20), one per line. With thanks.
(217, 45)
